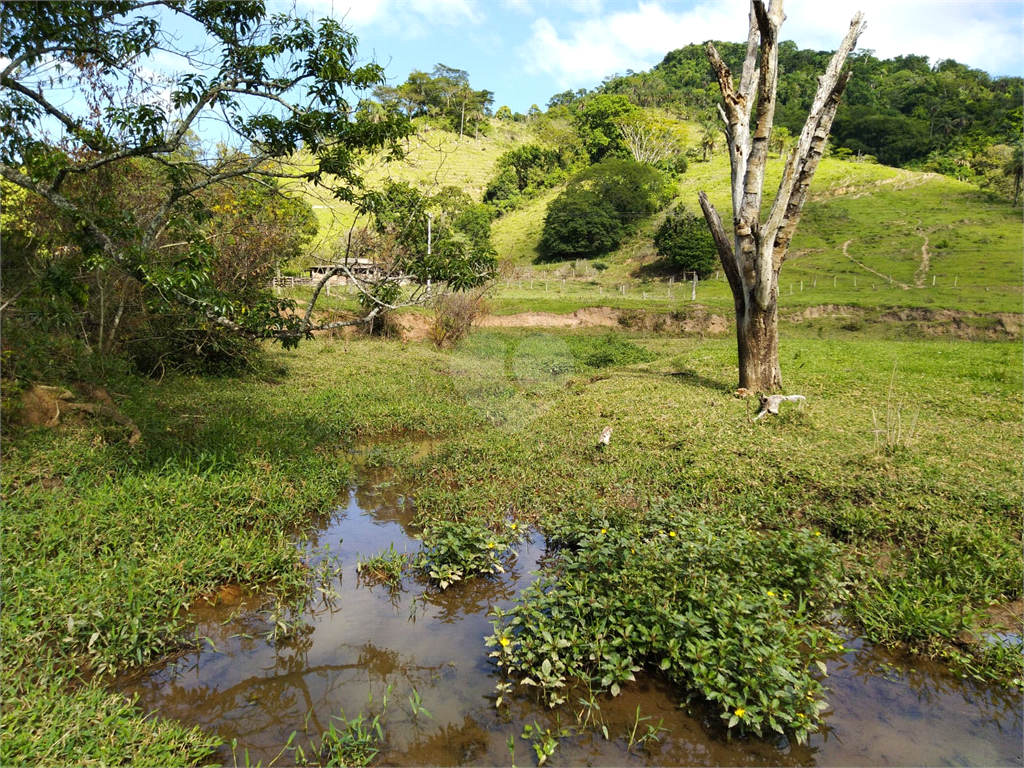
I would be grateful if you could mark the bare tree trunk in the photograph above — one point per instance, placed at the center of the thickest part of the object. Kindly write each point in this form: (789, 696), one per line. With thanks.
(753, 256)
(757, 339)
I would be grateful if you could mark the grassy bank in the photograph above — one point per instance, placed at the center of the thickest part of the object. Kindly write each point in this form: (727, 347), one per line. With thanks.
(918, 527)
(105, 546)
(905, 463)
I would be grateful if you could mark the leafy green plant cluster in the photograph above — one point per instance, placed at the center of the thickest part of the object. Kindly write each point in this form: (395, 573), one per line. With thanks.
(731, 613)
(544, 740)
(524, 171)
(384, 568)
(455, 549)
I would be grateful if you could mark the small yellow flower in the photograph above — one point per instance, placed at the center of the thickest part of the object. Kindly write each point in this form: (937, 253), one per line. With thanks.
(672, 534)
(514, 526)
(817, 533)
(505, 642)
(604, 530)
(770, 593)
(490, 545)
(632, 551)
(801, 714)
(740, 712)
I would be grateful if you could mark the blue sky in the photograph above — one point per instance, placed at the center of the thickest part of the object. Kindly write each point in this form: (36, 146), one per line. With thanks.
(527, 50)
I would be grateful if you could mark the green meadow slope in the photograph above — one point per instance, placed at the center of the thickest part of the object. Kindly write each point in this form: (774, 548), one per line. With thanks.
(871, 236)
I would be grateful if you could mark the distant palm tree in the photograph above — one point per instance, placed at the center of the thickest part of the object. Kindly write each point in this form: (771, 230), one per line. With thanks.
(709, 136)
(1015, 167)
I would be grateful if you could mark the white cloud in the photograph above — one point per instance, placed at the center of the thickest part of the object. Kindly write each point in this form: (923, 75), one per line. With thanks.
(986, 35)
(635, 39)
(412, 18)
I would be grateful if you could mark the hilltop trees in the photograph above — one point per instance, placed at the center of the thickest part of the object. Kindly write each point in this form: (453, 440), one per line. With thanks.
(444, 93)
(757, 250)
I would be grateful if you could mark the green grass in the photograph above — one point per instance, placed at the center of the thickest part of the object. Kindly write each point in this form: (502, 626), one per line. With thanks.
(952, 491)
(106, 546)
(974, 242)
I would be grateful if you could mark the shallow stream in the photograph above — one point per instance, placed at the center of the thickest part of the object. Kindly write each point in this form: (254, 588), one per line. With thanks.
(246, 687)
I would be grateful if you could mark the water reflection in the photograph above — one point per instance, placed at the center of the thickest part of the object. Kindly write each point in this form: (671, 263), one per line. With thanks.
(365, 639)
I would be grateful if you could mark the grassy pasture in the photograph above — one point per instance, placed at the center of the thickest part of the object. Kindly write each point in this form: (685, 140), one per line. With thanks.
(974, 242)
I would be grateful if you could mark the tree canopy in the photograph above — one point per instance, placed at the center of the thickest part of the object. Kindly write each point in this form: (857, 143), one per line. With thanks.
(600, 206)
(80, 97)
(444, 93)
(905, 111)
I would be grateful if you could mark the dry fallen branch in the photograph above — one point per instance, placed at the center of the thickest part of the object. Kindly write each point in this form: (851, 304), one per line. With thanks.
(770, 403)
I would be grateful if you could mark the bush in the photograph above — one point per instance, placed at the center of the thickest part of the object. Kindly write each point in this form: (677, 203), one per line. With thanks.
(686, 241)
(453, 315)
(580, 223)
(524, 171)
(600, 207)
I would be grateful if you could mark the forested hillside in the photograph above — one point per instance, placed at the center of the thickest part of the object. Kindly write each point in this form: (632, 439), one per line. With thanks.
(941, 116)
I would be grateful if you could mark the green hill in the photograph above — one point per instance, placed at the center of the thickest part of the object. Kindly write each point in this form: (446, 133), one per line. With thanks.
(863, 241)
(871, 236)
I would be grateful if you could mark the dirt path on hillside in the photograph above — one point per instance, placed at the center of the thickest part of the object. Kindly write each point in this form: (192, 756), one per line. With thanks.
(848, 187)
(922, 271)
(862, 265)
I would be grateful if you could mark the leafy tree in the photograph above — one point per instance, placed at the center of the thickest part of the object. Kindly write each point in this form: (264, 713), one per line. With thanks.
(567, 98)
(686, 241)
(579, 222)
(444, 94)
(460, 250)
(597, 125)
(601, 205)
(1015, 169)
(521, 172)
(271, 84)
(504, 113)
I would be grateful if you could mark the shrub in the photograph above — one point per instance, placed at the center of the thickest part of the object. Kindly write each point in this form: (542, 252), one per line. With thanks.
(453, 315)
(600, 207)
(524, 171)
(685, 240)
(580, 223)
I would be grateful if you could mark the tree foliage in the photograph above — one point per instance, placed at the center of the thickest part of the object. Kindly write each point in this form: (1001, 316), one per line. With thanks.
(600, 206)
(444, 94)
(597, 121)
(906, 110)
(686, 241)
(460, 250)
(525, 170)
(83, 107)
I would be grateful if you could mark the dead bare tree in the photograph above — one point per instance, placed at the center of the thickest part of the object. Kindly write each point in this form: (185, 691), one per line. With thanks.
(648, 141)
(754, 256)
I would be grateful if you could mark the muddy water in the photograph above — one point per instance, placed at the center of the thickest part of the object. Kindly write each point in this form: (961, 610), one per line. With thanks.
(363, 639)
